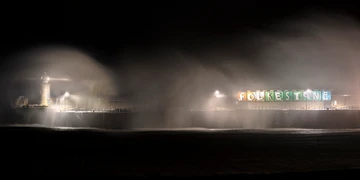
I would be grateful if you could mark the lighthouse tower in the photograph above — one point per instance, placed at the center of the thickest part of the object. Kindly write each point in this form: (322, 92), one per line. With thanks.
(45, 90)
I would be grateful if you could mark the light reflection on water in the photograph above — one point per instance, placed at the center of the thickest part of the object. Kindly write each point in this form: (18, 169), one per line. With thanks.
(201, 130)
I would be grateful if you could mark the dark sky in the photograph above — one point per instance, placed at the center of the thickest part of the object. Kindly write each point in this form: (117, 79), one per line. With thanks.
(105, 29)
(110, 32)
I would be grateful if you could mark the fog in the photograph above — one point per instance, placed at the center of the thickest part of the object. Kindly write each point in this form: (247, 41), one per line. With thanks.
(308, 52)
(320, 52)
(70, 70)
(314, 51)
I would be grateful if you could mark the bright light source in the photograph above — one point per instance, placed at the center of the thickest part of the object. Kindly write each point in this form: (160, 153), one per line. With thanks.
(335, 103)
(60, 79)
(307, 94)
(67, 94)
(219, 95)
(47, 78)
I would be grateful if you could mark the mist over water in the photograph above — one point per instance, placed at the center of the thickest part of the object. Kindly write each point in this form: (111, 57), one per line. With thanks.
(314, 51)
(319, 51)
(83, 73)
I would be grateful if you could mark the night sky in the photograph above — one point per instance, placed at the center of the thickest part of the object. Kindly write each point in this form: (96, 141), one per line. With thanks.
(159, 39)
(108, 29)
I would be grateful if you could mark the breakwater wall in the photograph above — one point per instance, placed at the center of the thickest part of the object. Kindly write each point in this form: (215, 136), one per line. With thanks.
(323, 119)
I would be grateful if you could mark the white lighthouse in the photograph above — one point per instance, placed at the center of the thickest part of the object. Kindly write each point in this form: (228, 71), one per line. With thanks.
(45, 90)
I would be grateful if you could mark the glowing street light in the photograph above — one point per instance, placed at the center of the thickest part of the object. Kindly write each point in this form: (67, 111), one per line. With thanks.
(217, 94)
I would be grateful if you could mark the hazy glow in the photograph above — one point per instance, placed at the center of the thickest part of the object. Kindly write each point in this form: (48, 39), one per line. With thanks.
(69, 70)
(220, 95)
(66, 94)
(316, 51)
(58, 79)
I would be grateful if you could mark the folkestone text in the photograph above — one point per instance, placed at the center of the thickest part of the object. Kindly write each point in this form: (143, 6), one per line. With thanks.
(284, 95)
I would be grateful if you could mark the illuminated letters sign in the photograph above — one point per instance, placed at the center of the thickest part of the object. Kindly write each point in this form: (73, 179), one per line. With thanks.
(250, 96)
(298, 95)
(316, 95)
(269, 95)
(242, 96)
(284, 95)
(260, 95)
(278, 95)
(326, 95)
(288, 95)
